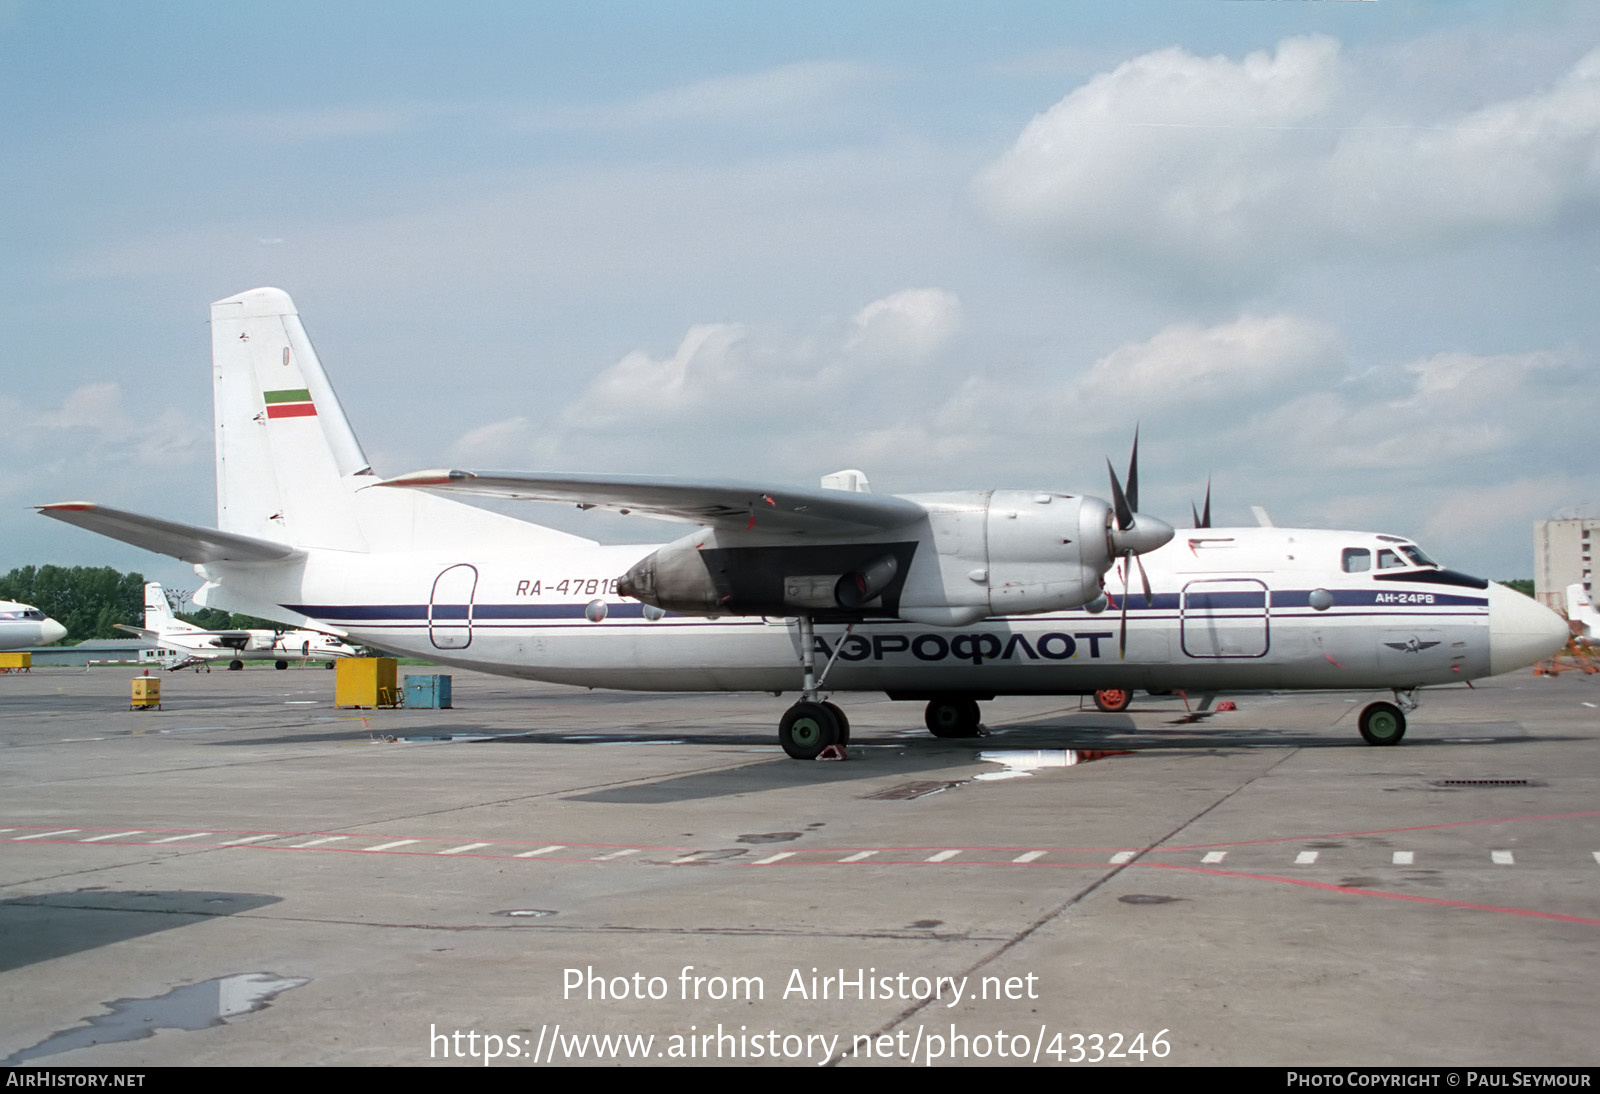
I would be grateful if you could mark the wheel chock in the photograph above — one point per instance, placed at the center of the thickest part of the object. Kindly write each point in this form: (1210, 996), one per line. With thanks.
(833, 752)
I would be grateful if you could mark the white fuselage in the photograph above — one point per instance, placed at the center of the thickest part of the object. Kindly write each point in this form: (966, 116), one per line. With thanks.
(1232, 609)
(23, 625)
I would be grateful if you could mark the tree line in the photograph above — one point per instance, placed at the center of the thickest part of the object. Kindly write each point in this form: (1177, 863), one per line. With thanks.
(90, 600)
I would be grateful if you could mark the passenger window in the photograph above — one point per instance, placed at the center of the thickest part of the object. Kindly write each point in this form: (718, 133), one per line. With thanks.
(1357, 560)
(1388, 560)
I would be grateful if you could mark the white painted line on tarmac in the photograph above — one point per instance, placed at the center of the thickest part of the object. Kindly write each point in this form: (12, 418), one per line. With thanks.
(1597, 856)
(770, 859)
(1030, 856)
(175, 839)
(396, 843)
(542, 851)
(616, 854)
(318, 842)
(1305, 858)
(250, 839)
(46, 835)
(113, 835)
(464, 847)
(1214, 857)
(942, 856)
(859, 855)
(1404, 858)
(1122, 856)
(1502, 858)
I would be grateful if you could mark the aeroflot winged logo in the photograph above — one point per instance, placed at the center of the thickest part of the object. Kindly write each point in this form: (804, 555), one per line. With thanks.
(290, 403)
(1411, 645)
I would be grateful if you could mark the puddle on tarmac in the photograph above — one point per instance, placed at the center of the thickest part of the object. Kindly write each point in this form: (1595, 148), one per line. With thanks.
(197, 1006)
(1022, 762)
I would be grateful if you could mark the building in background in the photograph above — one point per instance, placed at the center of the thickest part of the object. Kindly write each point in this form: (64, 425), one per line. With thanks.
(1563, 554)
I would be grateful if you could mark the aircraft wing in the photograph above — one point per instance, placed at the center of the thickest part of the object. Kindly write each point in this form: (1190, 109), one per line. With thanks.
(715, 503)
(190, 542)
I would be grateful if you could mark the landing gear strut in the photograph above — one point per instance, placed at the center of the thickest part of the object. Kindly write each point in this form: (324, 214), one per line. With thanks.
(811, 725)
(952, 717)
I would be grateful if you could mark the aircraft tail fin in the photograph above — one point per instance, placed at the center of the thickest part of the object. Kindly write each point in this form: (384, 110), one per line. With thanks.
(1581, 609)
(284, 446)
(289, 467)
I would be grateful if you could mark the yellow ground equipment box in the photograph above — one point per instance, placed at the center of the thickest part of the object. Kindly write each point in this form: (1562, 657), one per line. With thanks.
(16, 662)
(146, 693)
(365, 682)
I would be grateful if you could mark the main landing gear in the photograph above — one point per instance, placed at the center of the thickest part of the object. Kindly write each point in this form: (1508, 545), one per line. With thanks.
(1385, 723)
(811, 725)
(952, 717)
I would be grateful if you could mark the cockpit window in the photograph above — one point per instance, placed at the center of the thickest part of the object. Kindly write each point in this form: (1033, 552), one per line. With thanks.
(1417, 555)
(1388, 560)
(1357, 560)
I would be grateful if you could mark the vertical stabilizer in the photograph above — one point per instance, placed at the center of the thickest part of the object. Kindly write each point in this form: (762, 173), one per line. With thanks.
(158, 615)
(284, 447)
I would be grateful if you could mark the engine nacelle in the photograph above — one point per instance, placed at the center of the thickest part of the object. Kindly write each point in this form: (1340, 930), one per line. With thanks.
(711, 573)
(974, 555)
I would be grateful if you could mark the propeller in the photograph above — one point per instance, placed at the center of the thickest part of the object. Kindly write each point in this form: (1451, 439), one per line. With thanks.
(1203, 520)
(1133, 534)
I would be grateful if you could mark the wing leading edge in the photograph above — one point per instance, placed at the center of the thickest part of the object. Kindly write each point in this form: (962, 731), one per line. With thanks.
(720, 504)
(189, 542)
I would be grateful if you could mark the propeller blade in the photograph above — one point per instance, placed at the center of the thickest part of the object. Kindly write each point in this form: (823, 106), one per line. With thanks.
(1195, 513)
(1122, 636)
(1119, 501)
(1149, 600)
(1133, 473)
(1206, 516)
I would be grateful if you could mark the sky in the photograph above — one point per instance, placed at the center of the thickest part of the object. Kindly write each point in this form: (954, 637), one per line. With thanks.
(1338, 259)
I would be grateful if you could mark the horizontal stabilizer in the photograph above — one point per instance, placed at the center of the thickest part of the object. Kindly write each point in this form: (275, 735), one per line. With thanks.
(719, 504)
(142, 632)
(190, 542)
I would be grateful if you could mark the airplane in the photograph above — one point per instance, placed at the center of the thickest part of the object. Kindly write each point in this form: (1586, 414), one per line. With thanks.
(23, 625)
(192, 645)
(948, 599)
(1580, 610)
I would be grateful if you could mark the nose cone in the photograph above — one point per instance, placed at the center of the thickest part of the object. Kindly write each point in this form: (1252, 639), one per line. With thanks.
(1522, 631)
(51, 631)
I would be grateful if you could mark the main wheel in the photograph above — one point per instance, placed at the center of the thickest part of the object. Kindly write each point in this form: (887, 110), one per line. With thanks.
(280, 664)
(841, 723)
(807, 729)
(952, 717)
(1382, 724)
(235, 665)
(1113, 700)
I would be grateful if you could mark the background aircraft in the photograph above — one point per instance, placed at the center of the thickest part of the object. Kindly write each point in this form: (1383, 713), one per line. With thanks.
(191, 644)
(1581, 610)
(23, 625)
(944, 598)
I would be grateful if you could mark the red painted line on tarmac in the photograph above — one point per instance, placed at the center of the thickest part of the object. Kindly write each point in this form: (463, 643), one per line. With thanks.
(1380, 831)
(1329, 887)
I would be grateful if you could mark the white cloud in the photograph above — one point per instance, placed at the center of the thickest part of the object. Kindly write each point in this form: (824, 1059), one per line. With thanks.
(1187, 364)
(93, 437)
(1236, 167)
(778, 94)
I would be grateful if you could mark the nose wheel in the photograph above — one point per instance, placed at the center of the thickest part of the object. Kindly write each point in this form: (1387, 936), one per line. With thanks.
(1382, 724)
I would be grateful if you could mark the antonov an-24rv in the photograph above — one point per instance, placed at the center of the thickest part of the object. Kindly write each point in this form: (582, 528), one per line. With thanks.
(944, 598)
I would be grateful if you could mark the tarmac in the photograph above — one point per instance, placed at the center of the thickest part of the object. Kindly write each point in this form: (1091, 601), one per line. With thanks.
(546, 875)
